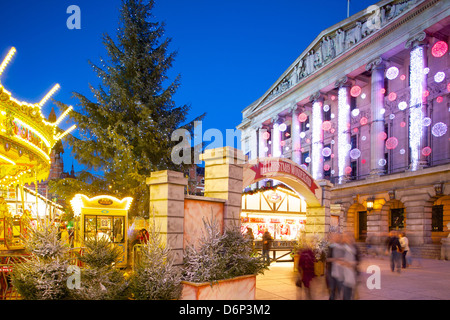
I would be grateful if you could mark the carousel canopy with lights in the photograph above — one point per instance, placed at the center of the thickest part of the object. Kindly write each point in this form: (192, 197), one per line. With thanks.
(26, 136)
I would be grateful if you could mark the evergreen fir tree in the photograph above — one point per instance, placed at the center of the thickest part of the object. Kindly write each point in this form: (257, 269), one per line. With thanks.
(126, 133)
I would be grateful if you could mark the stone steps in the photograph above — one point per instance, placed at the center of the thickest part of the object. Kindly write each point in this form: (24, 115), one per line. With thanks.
(425, 251)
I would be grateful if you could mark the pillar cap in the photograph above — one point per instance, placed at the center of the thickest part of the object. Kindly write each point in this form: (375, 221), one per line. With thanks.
(224, 155)
(167, 176)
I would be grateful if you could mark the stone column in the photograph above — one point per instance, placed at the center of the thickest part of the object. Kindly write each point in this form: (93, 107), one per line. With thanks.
(417, 104)
(318, 217)
(316, 136)
(343, 127)
(262, 142)
(223, 180)
(167, 206)
(295, 134)
(276, 138)
(377, 67)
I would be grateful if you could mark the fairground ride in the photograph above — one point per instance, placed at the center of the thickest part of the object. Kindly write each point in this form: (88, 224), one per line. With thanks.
(26, 142)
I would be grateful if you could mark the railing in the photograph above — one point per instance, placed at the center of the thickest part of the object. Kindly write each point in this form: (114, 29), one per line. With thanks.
(7, 262)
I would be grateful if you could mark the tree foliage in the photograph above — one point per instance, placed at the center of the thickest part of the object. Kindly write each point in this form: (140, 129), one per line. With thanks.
(125, 133)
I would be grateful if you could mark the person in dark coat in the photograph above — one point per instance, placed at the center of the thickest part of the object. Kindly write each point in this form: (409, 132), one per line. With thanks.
(266, 245)
(393, 245)
(306, 269)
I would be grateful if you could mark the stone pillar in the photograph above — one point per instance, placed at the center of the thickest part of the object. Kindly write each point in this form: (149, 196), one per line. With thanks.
(167, 205)
(318, 217)
(223, 180)
(343, 127)
(417, 104)
(262, 142)
(276, 138)
(295, 134)
(377, 67)
(316, 136)
(418, 216)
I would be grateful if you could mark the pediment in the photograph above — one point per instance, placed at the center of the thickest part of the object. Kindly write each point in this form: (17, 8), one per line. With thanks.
(336, 41)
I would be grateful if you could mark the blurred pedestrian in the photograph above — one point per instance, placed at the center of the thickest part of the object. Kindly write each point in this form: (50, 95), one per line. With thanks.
(334, 273)
(349, 263)
(267, 243)
(250, 237)
(306, 269)
(404, 242)
(394, 247)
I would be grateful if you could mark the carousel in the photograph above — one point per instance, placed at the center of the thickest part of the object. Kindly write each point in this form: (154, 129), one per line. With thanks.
(26, 142)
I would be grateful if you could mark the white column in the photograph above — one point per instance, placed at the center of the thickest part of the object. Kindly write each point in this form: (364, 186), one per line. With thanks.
(295, 135)
(276, 138)
(417, 103)
(317, 139)
(343, 128)
(377, 67)
(262, 142)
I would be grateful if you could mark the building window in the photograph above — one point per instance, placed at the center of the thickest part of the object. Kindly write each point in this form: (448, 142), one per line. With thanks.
(354, 173)
(352, 103)
(327, 115)
(397, 219)
(305, 155)
(329, 157)
(304, 126)
(437, 218)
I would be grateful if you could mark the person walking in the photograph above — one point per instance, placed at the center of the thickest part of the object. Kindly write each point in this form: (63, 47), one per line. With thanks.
(393, 245)
(349, 263)
(306, 269)
(267, 243)
(404, 242)
(334, 272)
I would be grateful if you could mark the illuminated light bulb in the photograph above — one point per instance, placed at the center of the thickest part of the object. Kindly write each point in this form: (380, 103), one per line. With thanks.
(7, 59)
(382, 110)
(382, 162)
(266, 149)
(402, 124)
(326, 167)
(439, 99)
(439, 129)
(363, 138)
(355, 112)
(439, 77)
(439, 49)
(49, 94)
(426, 151)
(402, 151)
(426, 121)
(363, 96)
(402, 77)
(355, 91)
(391, 143)
(392, 73)
(392, 96)
(326, 108)
(355, 154)
(355, 130)
(326, 152)
(282, 127)
(363, 121)
(426, 70)
(302, 135)
(302, 117)
(60, 136)
(402, 105)
(7, 160)
(382, 90)
(266, 135)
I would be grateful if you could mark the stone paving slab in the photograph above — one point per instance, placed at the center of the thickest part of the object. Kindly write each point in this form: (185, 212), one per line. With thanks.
(425, 279)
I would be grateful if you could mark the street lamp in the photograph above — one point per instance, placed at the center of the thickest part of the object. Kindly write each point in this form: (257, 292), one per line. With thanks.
(369, 204)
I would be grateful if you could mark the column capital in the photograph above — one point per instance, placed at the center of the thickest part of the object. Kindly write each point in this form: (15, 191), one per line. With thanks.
(342, 82)
(377, 63)
(418, 39)
(315, 96)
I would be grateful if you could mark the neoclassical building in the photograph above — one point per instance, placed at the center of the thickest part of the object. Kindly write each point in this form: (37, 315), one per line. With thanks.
(367, 107)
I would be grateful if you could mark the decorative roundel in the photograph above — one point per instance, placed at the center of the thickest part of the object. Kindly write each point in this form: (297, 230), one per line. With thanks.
(402, 151)
(326, 152)
(302, 117)
(266, 135)
(439, 77)
(439, 129)
(402, 77)
(326, 167)
(402, 105)
(439, 99)
(363, 138)
(308, 160)
(363, 121)
(426, 151)
(355, 112)
(355, 91)
(391, 143)
(403, 124)
(426, 121)
(326, 108)
(439, 49)
(355, 154)
(392, 73)
(282, 127)
(382, 162)
(348, 170)
(392, 96)
(382, 135)
(326, 125)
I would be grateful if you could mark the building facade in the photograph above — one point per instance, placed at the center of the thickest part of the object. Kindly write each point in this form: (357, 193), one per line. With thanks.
(367, 107)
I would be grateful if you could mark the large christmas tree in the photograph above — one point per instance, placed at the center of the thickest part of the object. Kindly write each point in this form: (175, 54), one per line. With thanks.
(126, 133)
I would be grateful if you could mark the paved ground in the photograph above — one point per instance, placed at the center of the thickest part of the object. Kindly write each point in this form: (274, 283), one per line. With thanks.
(425, 279)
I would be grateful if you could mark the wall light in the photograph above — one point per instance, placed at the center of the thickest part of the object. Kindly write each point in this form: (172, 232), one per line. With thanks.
(369, 204)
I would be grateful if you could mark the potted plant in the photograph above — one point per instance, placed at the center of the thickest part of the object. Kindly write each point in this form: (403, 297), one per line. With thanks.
(221, 266)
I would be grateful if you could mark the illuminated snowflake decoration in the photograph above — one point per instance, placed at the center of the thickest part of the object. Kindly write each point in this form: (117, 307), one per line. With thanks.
(439, 49)
(391, 143)
(326, 152)
(426, 121)
(439, 129)
(402, 105)
(355, 154)
(439, 77)
(392, 73)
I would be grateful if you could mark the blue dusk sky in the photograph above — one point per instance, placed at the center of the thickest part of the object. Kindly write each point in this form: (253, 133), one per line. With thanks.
(229, 52)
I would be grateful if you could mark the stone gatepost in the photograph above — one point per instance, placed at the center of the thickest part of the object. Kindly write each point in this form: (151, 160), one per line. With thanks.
(167, 205)
(318, 217)
(223, 180)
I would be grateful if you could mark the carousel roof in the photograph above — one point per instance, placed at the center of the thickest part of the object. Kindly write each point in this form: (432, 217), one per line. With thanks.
(26, 136)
